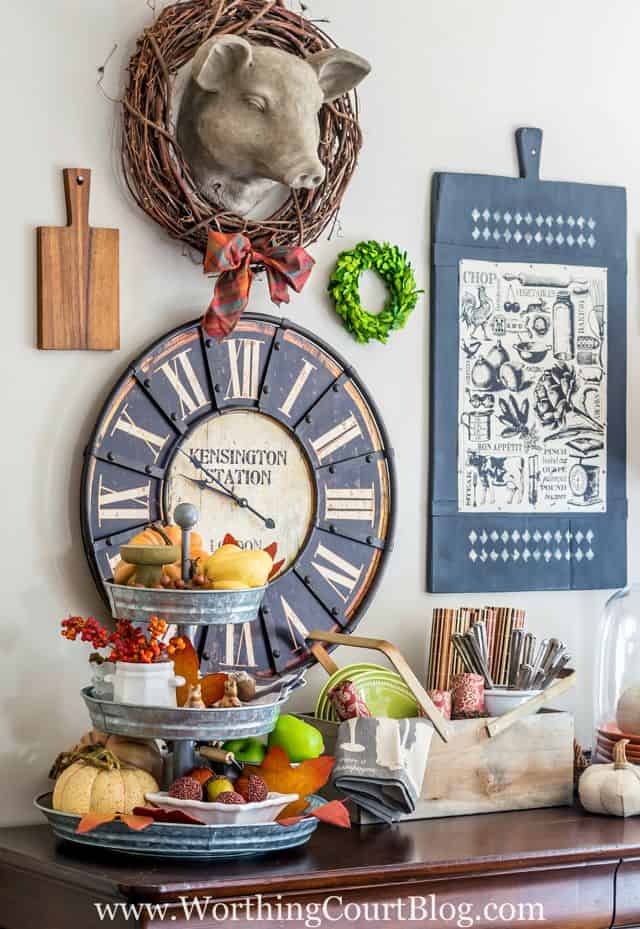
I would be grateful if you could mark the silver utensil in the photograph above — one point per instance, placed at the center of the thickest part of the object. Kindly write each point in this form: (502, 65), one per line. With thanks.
(528, 648)
(524, 676)
(515, 649)
(471, 654)
(460, 646)
(557, 669)
(482, 665)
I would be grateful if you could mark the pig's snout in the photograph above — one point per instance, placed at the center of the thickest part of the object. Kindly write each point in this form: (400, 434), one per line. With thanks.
(307, 175)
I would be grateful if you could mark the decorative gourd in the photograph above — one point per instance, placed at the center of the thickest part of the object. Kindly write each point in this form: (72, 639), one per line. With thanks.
(232, 566)
(138, 753)
(85, 787)
(612, 789)
(628, 710)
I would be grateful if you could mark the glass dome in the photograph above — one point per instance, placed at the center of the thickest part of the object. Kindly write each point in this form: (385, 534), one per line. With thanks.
(617, 675)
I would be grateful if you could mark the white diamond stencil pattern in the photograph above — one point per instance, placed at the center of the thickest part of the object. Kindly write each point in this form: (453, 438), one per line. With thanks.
(497, 226)
(516, 546)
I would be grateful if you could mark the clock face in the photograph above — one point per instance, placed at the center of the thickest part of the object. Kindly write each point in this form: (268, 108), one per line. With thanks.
(275, 418)
(264, 464)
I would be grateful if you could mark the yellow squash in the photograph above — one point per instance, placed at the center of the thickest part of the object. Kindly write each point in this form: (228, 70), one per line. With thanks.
(236, 568)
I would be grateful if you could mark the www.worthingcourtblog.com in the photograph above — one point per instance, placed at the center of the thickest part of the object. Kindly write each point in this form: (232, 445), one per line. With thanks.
(333, 909)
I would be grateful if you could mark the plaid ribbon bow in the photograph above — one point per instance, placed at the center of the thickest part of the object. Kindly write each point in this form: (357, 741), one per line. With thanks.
(231, 257)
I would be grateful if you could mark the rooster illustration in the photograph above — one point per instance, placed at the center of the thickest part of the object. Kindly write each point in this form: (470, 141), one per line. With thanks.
(476, 312)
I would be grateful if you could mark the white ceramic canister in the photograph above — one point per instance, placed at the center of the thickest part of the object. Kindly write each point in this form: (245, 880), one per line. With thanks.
(145, 684)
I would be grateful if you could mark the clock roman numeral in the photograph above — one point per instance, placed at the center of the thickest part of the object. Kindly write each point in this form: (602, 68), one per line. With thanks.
(297, 388)
(190, 394)
(339, 573)
(126, 424)
(345, 432)
(235, 646)
(357, 503)
(110, 502)
(244, 365)
(295, 625)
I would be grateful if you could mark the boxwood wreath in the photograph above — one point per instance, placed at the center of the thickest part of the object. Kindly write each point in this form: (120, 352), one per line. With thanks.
(154, 168)
(396, 271)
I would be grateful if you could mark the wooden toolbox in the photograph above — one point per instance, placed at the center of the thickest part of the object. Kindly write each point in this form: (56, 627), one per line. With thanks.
(520, 761)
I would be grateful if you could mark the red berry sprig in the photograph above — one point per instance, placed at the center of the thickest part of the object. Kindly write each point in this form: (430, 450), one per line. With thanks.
(128, 643)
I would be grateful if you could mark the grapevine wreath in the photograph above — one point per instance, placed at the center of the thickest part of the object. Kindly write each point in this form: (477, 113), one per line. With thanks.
(154, 168)
(396, 271)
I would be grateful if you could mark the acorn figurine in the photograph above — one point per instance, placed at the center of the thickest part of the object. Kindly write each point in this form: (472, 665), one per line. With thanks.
(246, 685)
(194, 700)
(230, 697)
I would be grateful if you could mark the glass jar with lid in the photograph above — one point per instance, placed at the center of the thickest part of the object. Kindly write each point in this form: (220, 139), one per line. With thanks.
(617, 676)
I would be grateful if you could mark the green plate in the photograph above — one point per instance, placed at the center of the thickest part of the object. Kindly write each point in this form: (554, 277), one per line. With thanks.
(324, 706)
(384, 692)
(345, 674)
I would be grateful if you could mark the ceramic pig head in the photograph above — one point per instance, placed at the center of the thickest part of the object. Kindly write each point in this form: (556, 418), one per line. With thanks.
(249, 117)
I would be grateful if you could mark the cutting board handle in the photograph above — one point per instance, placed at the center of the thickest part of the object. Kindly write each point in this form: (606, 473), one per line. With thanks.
(77, 187)
(529, 145)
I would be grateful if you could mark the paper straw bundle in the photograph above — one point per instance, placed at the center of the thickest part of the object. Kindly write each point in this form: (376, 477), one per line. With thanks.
(507, 618)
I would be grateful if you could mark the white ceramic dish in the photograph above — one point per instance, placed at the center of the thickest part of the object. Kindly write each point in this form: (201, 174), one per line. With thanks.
(227, 814)
(500, 700)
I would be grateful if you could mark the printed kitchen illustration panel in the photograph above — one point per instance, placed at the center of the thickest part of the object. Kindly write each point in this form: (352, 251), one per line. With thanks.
(532, 388)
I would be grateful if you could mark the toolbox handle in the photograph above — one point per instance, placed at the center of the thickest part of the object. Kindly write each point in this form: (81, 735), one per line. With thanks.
(529, 145)
(399, 663)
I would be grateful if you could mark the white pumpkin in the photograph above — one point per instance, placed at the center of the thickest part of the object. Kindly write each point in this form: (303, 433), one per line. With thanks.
(612, 789)
(628, 710)
(83, 788)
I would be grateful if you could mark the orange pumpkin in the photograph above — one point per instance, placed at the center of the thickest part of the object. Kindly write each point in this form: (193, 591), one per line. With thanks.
(150, 536)
(213, 687)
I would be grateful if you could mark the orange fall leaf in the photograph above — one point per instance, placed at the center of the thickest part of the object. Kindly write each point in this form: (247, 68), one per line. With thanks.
(91, 821)
(275, 568)
(334, 813)
(187, 665)
(303, 779)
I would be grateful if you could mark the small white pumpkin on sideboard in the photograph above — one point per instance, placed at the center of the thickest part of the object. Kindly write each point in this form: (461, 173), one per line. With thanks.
(612, 789)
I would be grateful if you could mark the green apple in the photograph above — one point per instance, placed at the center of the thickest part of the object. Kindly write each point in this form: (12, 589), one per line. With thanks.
(298, 739)
(249, 751)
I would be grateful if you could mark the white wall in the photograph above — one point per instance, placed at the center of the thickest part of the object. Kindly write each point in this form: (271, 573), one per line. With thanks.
(452, 79)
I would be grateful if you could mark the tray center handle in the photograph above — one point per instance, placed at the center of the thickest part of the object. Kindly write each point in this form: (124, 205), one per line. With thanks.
(529, 144)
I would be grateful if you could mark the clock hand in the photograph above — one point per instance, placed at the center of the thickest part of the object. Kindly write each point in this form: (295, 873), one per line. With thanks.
(241, 501)
(205, 485)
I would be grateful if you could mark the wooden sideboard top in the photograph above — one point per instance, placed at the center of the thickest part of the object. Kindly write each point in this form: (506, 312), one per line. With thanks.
(468, 845)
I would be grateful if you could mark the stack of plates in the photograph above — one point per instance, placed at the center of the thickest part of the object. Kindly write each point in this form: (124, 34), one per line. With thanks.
(607, 736)
(384, 692)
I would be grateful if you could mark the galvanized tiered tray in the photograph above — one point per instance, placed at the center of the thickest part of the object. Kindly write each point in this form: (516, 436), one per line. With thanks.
(185, 607)
(161, 722)
(173, 840)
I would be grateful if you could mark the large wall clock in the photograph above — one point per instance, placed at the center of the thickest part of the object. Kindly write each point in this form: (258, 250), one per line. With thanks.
(281, 421)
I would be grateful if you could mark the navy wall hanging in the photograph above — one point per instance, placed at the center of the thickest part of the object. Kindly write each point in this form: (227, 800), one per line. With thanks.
(528, 382)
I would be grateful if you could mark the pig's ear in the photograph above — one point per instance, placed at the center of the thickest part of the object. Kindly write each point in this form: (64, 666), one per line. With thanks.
(339, 71)
(217, 58)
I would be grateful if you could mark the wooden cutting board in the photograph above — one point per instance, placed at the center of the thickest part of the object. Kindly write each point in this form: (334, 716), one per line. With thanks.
(78, 279)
